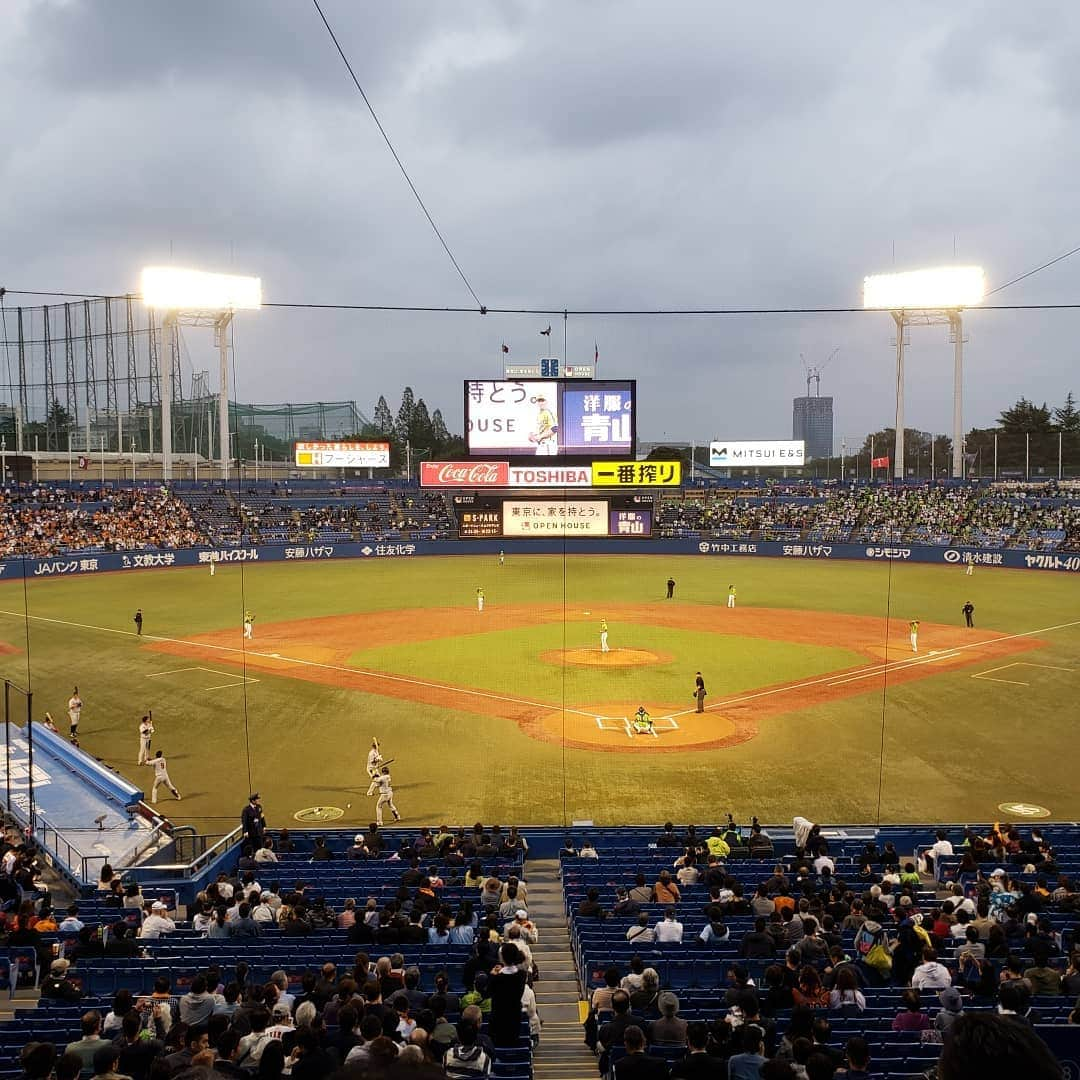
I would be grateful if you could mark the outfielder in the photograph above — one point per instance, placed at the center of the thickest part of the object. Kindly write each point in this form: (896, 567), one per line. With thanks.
(161, 776)
(213, 563)
(479, 599)
(603, 636)
(74, 712)
(249, 625)
(502, 557)
(374, 763)
(386, 796)
(913, 634)
(146, 732)
(731, 596)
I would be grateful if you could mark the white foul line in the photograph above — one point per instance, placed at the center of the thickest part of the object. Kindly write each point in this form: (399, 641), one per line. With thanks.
(464, 692)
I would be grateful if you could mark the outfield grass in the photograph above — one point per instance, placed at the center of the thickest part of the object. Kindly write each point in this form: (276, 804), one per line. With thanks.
(948, 746)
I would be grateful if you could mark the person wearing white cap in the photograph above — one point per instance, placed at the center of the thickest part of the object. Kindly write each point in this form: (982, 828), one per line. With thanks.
(157, 922)
(525, 925)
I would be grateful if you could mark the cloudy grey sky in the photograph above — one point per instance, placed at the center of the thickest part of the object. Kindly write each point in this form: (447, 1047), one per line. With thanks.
(574, 154)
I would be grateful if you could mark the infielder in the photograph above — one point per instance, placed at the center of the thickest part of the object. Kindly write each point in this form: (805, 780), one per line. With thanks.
(913, 634)
(249, 625)
(386, 796)
(146, 732)
(479, 599)
(731, 596)
(161, 776)
(603, 636)
(74, 712)
(545, 435)
(374, 764)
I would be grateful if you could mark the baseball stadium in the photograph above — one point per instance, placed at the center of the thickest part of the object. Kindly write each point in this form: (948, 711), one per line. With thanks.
(538, 734)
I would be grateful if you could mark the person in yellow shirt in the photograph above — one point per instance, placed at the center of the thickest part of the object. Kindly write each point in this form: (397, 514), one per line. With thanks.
(717, 845)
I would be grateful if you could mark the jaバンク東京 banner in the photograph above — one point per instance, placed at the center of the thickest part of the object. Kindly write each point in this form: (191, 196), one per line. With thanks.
(757, 454)
(342, 455)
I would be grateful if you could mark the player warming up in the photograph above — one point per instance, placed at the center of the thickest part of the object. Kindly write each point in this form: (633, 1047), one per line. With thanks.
(161, 776)
(146, 733)
(479, 599)
(74, 714)
(249, 625)
(386, 796)
(731, 596)
(603, 636)
(374, 764)
(970, 560)
(913, 634)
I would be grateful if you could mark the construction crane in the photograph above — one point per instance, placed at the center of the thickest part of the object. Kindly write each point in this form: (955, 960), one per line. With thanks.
(813, 374)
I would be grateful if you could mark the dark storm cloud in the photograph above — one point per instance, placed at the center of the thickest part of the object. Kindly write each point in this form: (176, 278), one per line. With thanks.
(578, 155)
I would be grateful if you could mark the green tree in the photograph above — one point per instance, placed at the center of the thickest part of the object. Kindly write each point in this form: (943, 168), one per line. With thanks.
(420, 427)
(382, 422)
(440, 436)
(405, 413)
(1025, 418)
(1067, 416)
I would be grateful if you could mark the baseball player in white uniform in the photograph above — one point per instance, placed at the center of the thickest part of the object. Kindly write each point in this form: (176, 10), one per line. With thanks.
(731, 596)
(74, 712)
(161, 776)
(249, 625)
(146, 732)
(386, 796)
(603, 636)
(374, 763)
(479, 599)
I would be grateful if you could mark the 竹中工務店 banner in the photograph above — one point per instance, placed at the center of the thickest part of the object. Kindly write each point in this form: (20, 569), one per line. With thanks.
(544, 517)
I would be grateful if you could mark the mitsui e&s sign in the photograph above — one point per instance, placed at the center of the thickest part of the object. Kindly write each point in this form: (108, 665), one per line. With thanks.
(757, 455)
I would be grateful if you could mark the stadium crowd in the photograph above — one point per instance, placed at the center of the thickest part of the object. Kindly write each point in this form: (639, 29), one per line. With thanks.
(968, 974)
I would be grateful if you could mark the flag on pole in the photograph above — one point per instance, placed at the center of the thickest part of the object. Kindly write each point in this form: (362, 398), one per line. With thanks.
(596, 355)
(505, 348)
(547, 332)
(879, 463)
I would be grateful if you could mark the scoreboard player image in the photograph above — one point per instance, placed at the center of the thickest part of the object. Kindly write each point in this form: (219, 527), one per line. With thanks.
(546, 435)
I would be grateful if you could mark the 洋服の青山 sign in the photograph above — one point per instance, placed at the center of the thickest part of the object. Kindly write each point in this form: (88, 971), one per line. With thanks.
(757, 454)
(481, 474)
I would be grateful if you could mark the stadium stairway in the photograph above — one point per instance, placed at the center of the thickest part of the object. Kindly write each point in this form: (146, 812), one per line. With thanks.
(562, 1053)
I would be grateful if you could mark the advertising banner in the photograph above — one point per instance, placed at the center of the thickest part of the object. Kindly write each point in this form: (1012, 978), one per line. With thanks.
(550, 418)
(554, 476)
(637, 473)
(631, 523)
(342, 455)
(474, 524)
(757, 454)
(536, 517)
(464, 474)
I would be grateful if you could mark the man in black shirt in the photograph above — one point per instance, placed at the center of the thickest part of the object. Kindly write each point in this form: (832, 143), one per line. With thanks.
(670, 588)
(253, 822)
(968, 609)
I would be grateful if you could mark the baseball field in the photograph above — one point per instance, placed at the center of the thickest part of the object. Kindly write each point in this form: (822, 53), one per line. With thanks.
(815, 702)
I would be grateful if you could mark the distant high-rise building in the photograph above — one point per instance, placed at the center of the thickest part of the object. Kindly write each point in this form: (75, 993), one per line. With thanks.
(812, 422)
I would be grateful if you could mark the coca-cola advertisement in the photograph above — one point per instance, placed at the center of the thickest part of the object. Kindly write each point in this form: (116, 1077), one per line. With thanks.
(464, 474)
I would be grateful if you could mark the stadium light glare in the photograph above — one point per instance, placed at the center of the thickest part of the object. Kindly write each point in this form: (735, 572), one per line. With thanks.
(174, 289)
(942, 289)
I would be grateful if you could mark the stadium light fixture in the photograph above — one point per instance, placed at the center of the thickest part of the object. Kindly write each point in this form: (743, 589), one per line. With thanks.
(173, 289)
(941, 289)
(930, 297)
(197, 298)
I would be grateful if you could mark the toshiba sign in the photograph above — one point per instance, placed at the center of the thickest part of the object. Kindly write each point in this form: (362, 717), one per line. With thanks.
(501, 474)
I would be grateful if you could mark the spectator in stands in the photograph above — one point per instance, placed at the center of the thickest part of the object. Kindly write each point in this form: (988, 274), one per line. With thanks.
(466, 1059)
(698, 1063)
(624, 905)
(665, 891)
(641, 933)
(668, 838)
(809, 991)
(105, 1061)
(640, 892)
(321, 853)
(930, 974)
(591, 907)
(57, 986)
(670, 1028)
(197, 1005)
(637, 1065)
(982, 1045)
(717, 845)
(1045, 980)
(157, 922)
(668, 930)
(612, 1032)
(747, 1065)
(90, 1043)
(507, 986)
(845, 995)
(646, 997)
(911, 1017)
(758, 944)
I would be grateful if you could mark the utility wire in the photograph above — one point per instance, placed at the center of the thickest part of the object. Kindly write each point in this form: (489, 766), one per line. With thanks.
(665, 312)
(1060, 258)
(390, 145)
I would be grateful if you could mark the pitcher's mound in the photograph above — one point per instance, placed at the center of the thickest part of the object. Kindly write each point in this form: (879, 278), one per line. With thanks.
(616, 658)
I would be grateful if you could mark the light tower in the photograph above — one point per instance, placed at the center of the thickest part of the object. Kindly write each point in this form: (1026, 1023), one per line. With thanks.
(928, 298)
(196, 298)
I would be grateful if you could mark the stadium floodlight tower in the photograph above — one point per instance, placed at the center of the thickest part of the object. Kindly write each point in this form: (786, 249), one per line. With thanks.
(196, 298)
(928, 298)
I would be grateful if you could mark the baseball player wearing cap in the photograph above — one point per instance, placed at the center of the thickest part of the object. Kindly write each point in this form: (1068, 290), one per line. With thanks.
(161, 776)
(74, 713)
(479, 598)
(374, 763)
(545, 435)
(731, 596)
(643, 724)
(603, 636)
(146, 733)
(913, 634)
(386, 796)
(249, 625)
